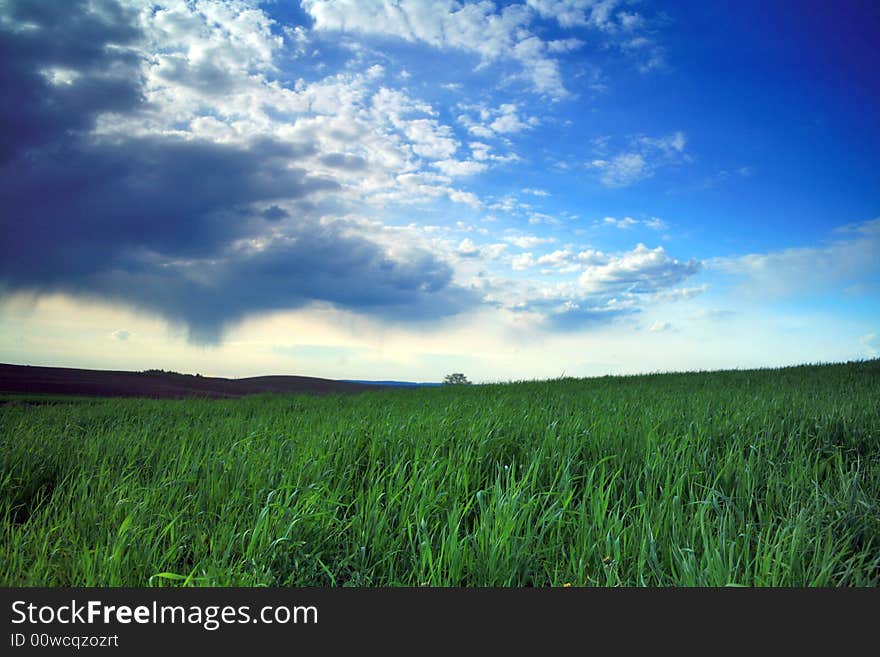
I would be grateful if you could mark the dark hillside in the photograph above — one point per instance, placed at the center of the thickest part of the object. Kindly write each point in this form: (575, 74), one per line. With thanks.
(158, 384)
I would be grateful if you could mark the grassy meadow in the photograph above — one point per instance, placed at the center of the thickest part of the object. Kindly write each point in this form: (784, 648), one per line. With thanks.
(762, 478)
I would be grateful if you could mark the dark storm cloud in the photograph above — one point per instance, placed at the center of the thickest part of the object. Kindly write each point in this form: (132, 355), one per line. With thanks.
(178, 198)
(274, 213)
(344, 162)
(318, 264)
(564, 315)
(206, 77)
(88, 38)
(165, 223)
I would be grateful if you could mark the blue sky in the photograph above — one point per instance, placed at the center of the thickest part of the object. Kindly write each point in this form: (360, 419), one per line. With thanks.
(384, 190)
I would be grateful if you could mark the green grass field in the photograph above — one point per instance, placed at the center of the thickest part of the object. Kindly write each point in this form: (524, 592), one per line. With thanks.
(763, 478)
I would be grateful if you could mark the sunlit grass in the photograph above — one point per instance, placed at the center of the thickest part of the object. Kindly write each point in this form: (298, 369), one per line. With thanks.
(760, 478)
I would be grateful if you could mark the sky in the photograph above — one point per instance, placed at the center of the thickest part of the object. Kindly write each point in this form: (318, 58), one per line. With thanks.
(378, 189)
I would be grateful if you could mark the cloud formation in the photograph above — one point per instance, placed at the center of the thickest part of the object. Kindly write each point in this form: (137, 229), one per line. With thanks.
(479, 28)
(201, 225)
(639, 271)
(63, 66)
(606, 285)
(160, 157)
(505, 33)
(614, 19)
(601, 14)
(641, 160)
(846, 264)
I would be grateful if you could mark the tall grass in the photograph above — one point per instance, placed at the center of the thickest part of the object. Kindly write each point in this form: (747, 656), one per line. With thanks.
(762, 478)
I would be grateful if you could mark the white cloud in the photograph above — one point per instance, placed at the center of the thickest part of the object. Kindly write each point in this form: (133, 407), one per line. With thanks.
(870, 344)
(626, 222)
(638, 271)
(457, 168)
(670, 144)
(572, 13)
(604, 286)
(467, 198)
(536, 218)
(522, 261)
(623, 169)
(233, 35)
(296, 38)
(656, 223)
(429, 139)
(479, 150)
(660, 326)
(641, 160)
(494, 251)
(491, 122)
(616, 24)
(648, 55)
(508, 121)
(591, 257)
(557, 258)
(479, 28)
(680, 294)
(482, 152)
(564, 45)
(529, 241)
(630, 20)
(210, 74)
(467, 248)
(628, 30)
(376, 71)
(841, 265)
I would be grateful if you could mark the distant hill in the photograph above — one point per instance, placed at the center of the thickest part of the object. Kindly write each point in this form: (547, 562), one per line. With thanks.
(161, 384)
(395, 384)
